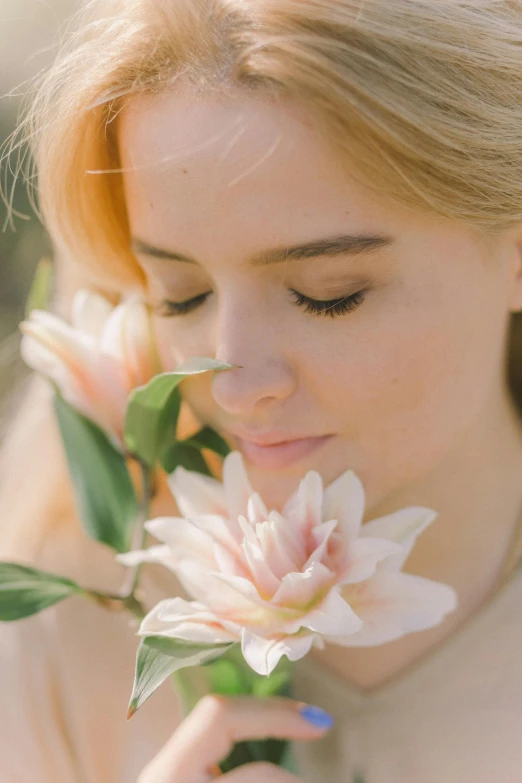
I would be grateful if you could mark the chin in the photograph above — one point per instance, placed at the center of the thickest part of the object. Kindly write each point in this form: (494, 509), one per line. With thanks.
(276, 486)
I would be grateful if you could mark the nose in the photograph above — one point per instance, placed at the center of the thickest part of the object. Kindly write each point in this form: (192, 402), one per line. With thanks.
(264, 375)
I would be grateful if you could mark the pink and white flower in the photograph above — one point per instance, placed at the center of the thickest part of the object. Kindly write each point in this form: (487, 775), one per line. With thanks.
(98, 359)
(280, 582)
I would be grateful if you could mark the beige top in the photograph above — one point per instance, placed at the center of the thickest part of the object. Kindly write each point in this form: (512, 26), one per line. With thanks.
(66, 674)
(66, 677)
(455, 716)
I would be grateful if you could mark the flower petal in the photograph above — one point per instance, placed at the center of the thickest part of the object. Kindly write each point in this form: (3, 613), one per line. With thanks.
(182, 536)
(293, 545)
(87, 380)
(213, 589)
(265, 581)
(299, 590)
(344, 500)
(229, 563)
(128, 338)
(141, 354)
(197, 494)
(241, 586)
(394, 604)
(256, 509)
(197, 581)
(154, 554)
(273, 540)
(334, 616)
(51, 346)
(89, 312)
(247, 530)
(304, 508)
(320, 536)
(403, 527)
(43, 359)
(237, 487)
(362, 557)
(263, 655)
(191, 621)
(218, 528)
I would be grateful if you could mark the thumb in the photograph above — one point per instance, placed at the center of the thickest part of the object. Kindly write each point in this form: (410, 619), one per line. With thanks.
(209, 732)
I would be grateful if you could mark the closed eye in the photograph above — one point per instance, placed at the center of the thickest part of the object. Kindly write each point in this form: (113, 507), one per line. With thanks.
(326, 307)
(329, 307)
(168, 308)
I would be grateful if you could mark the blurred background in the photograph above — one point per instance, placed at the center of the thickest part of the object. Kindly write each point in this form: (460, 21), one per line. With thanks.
(30, 32)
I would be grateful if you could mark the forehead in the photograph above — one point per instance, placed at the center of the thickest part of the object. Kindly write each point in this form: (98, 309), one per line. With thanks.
(236, 136)
(207, 159)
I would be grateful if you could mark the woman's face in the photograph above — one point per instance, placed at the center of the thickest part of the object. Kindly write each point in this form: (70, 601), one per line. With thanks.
(254, 227)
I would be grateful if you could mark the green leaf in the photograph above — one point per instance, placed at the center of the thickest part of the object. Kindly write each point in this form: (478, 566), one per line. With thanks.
(40, 291)
(168, 422)
(208, 438)
(248, 751)
(275, 750)
(288, 760)
(25, 591)
(144, 423)
(102, 485)
(159, 657)
(186, 455)
(278, 682)
(227, 678)
(275, 683)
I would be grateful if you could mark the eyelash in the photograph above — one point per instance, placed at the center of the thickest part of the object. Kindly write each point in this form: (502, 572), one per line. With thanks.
(167, 308)
(329, 307)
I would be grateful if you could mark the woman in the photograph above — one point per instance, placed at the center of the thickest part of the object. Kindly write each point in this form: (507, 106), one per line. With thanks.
(327, 194)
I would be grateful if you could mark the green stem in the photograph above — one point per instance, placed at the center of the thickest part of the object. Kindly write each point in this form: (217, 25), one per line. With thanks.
(139, 539)
(136, 607)
(126, 598)
(188, 688)
(116, 603)
(230, 675)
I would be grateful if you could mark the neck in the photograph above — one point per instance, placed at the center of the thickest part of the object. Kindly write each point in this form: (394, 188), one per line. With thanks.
(477, 493)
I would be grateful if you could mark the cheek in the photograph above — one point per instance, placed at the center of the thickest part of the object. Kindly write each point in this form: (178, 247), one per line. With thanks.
(405, 395)
(177, 344)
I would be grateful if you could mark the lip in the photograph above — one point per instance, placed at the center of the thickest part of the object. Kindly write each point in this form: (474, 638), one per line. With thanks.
(277, 451)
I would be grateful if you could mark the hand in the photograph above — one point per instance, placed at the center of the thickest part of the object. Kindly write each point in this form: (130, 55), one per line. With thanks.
(207, 735)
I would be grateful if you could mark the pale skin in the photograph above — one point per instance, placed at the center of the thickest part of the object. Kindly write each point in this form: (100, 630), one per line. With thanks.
(409, 382)
(208, 734)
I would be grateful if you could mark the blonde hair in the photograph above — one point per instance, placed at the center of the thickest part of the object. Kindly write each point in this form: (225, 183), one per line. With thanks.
(422, 96)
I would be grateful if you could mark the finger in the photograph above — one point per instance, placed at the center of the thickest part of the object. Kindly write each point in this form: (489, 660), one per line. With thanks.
(259, 772)
(210, 731)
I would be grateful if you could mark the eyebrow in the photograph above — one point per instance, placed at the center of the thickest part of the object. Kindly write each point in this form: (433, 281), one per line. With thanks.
(346, 244)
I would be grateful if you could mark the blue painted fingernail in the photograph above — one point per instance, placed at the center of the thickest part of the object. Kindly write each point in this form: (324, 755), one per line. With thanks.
(316, 716)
